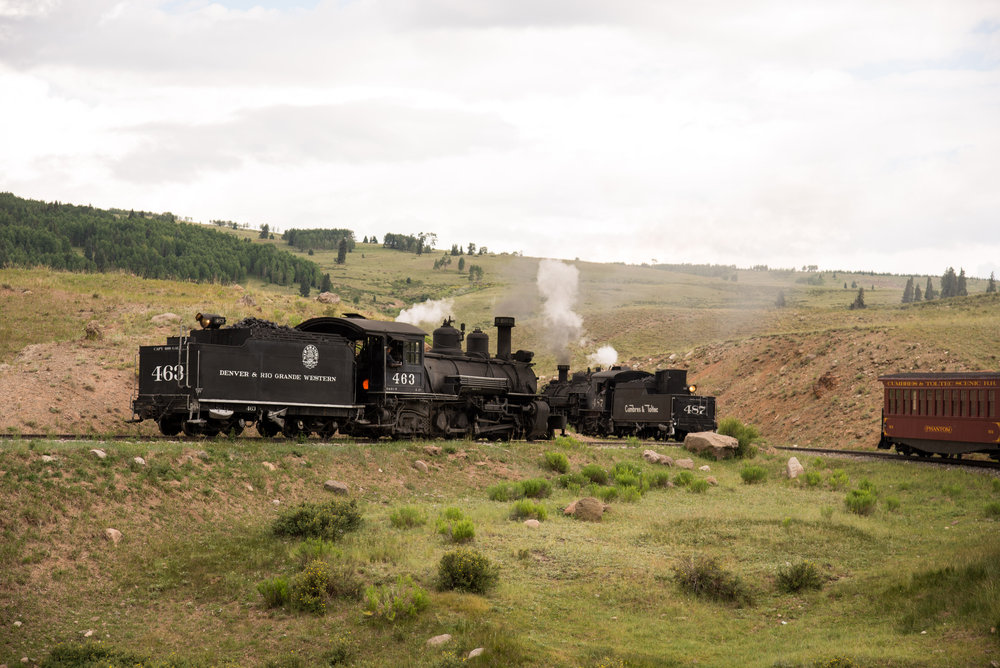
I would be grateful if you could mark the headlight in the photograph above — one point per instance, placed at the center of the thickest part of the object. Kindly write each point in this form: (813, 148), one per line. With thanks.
(692, 389)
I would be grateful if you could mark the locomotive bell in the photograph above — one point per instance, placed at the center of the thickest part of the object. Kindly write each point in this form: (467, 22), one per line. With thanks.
(210, 320)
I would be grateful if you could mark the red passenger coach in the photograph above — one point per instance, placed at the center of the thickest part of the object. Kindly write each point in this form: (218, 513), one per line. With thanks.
(944, 413)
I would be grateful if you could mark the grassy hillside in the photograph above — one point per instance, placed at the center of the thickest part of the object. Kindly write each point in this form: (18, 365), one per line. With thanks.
(914, 582)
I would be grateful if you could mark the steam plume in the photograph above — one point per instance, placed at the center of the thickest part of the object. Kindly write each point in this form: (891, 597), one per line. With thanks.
(557, 284)
(605, 356)
(430, 311)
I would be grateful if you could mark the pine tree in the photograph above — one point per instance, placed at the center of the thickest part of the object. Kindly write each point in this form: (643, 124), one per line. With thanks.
(304, 287)
(780, 301)
(949, 283)
(265, 231)
(991, 286)
(859, 301)
(461, 264)
(960, 288)
(908, 291)
(929, 292)
(917, 295)
(342, 251)
(326, 285)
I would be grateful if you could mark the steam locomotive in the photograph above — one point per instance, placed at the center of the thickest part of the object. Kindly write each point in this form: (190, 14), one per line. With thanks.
(627, 402)
(350, 374)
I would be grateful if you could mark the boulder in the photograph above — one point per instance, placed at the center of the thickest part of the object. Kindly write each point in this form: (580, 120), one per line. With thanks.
(48, 459)
(100, 454)
(269, 466)
(93, 331)
(113, 535)
(711, 480)
(328, 298)
(685, 464)
(706, 467)
(420, 465)
(437, 641)
(532, 523)
(710, 443)
(432, 450)
(476, 652)
(336, 487)
(654, 457)
(794, 468)
(588, 509)
(139, 461)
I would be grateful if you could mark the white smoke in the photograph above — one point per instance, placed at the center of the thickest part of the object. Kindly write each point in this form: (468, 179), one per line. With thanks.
(557, 283)
(605, 356)
(430, 311)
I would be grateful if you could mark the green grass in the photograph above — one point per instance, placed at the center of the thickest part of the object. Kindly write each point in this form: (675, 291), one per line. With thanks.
(196, 600)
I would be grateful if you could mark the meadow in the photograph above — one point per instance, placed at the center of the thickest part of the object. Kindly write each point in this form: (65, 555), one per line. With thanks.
(913, 582)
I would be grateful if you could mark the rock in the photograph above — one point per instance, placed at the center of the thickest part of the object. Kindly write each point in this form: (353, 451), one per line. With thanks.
(92, 331)
(48, 459)
(706, 467)
(249, 487)
(570, 509)
(432, 450)
(532, 523)
(269, 466)
(588, 509)
(685, 464)
(139, 461)
(437, 641)
(654, 457)
(246, 300)
(88, 633)
(708, 442)
(276, 502)
(420, 465)
(476, 652)
(100, 454)
(114, 535)
(165, 319)
(711, 480)
(336, 487)
(793, 468)
(17, 624)
(328, 298)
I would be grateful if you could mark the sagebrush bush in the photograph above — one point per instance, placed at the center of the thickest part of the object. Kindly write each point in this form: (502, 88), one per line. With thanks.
(536, 488)
(659, 479)
(407, 517)
(453, 514)
(308, 588)
(343, 582)
(626, 479)
(463, 531)
(683, 478)
(567, 442)
(860, 501)
(314, 548)
(745, 434)
(274, 591)
(595, 473)
(505, 491)
(527, 509)
(868, 486)
(569, 479)
(698, 486)
(402, 599)
(626, 469)
(605, 493)
(556, 461)
(813, 478)
(753, 474)
(629, 494)
(796, 577)
(838, 479)
(467, 570)
(704, 577)
(329, 520)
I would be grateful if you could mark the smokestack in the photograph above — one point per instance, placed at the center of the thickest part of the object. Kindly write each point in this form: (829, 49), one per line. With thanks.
(563, 373)
(503, 324)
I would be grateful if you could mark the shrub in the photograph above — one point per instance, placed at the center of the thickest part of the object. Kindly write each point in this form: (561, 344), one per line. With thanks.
(745, 434)
(343, 582)
(329, 520)
(453, 514)
(891, 503)
(629, 494)
(605, 493)
(463, 531)
(704, 577)
(993, 509)
(659, 479)
(698, 486)
(536, 488)
(526, 508)
(308, 589)
(567, 442)
(803, 575)
(401, 599)
(626, 479)
(556, 461)
(595, 473)
(313, 548)
(505, 491)
(868, 486)
(838, 479)
(683, 478)
(569, 479)
(407, 517)
(753, 474)
(274, 592)
(860, 501)
(467, 570)
(813, 478)
(626, 469)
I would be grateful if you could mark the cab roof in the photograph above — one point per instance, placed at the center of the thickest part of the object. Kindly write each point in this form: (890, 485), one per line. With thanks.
(359, 328)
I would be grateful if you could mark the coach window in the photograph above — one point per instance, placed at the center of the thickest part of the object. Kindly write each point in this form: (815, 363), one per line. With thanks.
(939, 401)
(992, 402)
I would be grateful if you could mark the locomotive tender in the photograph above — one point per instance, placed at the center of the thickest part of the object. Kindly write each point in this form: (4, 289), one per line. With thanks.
(946, 414)
(357, 376)
(627, 402)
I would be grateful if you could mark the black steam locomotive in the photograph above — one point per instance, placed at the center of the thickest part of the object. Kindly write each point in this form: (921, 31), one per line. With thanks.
(353, 375)
(627, 402)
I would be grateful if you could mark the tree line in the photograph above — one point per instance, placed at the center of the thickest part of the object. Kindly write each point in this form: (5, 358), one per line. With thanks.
(84, 238)
(319, 239)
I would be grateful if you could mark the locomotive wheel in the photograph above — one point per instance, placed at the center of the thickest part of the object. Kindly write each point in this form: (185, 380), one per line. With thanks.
(294, 428)
(170, 426)
(267, 429)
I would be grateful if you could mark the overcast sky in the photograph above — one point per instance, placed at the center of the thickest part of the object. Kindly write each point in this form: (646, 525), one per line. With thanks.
(858, 134)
